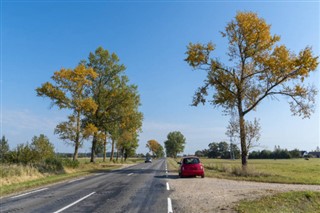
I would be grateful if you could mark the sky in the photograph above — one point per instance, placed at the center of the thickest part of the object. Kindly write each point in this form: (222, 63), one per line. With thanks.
(150, 38)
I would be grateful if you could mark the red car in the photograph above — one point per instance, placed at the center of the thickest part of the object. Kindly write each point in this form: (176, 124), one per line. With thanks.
(191, 167)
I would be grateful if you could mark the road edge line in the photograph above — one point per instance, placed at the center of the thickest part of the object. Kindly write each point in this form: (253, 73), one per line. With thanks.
(169, 206)
(39, 190)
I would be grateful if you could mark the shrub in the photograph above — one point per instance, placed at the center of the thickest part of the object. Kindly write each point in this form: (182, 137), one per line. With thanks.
(70, 163)
(50, 165)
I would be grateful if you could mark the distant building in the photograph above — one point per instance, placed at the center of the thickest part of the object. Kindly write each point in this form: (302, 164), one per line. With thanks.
(315, 154)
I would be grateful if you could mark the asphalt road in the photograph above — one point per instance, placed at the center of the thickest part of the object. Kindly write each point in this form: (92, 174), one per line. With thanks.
(140, 188)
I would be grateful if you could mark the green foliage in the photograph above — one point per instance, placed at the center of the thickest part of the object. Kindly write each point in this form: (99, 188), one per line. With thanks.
(278, 153)
(4, 149)
(117, 114)
(174, 144)
(70, 163)
(42, 148)
(51, 165)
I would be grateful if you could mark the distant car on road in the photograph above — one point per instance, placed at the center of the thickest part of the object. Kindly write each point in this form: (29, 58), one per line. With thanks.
(148, 160)
(191, 167)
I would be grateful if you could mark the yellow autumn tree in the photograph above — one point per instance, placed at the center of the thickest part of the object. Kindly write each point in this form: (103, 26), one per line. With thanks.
(257, 68)
(69, 91)
(153, 146)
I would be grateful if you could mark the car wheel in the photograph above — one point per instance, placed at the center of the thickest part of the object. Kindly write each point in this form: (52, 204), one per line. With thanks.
(202, 176)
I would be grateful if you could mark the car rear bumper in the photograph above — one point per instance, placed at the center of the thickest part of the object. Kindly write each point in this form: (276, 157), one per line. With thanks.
(192, 173)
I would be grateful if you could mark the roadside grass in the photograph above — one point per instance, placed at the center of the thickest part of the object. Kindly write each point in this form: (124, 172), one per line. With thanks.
(294, 171)
(298, 202)
(14, 178)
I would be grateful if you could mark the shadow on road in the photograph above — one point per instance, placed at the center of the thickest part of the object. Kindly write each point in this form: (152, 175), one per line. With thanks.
(167, 177)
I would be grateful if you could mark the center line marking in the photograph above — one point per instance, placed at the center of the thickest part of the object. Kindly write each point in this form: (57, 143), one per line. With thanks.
(30, 193)
(168, 188)
(60, 210)
(130, 174)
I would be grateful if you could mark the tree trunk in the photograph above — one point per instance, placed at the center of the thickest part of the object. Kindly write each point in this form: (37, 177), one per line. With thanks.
(93, 148)
(77, 142)
(105, 149)
(75, 154)
(244, 151)
(112, 149)
(117, 155)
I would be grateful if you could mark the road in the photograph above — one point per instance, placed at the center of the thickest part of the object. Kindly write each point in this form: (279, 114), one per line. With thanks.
(140, 188)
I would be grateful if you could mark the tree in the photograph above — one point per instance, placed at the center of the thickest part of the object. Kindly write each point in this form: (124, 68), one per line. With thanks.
(112, 94)
(153, 146)
(257, 69)
(4, 148)
(70, 92)
(213, 151)
(126, 118)
(160, 152)
(174, 144)
(42, 148)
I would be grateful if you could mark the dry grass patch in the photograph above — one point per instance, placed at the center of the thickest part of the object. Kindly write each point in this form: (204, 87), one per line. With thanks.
(11, 174)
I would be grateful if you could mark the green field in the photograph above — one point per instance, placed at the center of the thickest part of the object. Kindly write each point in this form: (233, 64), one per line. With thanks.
(289, 202)
(274, 171)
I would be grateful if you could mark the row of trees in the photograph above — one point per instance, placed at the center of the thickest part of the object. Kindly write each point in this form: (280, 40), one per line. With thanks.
(173, 145)
(101, 102)
(220, 150)
(278, 153)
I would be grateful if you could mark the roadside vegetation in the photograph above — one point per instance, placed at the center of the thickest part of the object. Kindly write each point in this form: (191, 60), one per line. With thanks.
(294, 171)
(298, 202)
(18, 177)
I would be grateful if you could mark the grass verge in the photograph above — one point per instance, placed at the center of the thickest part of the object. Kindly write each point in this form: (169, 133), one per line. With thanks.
(298, 202)
(16, 178)
(294, 171)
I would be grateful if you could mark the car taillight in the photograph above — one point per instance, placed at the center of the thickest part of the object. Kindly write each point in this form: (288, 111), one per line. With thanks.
(182, 168)
(201, 167)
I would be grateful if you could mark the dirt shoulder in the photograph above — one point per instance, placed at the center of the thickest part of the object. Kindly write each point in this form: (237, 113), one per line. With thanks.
(194, 195)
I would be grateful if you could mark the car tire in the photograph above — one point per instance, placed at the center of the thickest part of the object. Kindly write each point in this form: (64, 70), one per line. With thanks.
(202, 176)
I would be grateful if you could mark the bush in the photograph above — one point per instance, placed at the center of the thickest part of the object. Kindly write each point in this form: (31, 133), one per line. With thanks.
(70, 163)
(50, 165)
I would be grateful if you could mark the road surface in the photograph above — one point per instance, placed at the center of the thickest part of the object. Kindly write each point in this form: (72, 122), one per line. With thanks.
(140, 188)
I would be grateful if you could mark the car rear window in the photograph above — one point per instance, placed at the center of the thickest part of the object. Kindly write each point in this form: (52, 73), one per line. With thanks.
(191, 161)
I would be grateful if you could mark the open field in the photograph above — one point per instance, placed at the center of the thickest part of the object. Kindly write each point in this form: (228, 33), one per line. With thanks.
(274, 171)
(298, 202)
(15, 178)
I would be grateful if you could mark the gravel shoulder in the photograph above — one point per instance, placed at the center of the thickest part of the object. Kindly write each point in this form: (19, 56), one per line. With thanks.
(194, 195)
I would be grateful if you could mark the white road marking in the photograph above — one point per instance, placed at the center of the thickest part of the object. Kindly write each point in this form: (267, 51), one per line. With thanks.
(71, 181)
(97, 174)
(29, 193)
(68, 206)
(130, 174)
(169, 206)
(168, 187)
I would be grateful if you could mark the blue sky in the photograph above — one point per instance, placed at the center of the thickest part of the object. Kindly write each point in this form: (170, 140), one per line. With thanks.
(150, 38)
